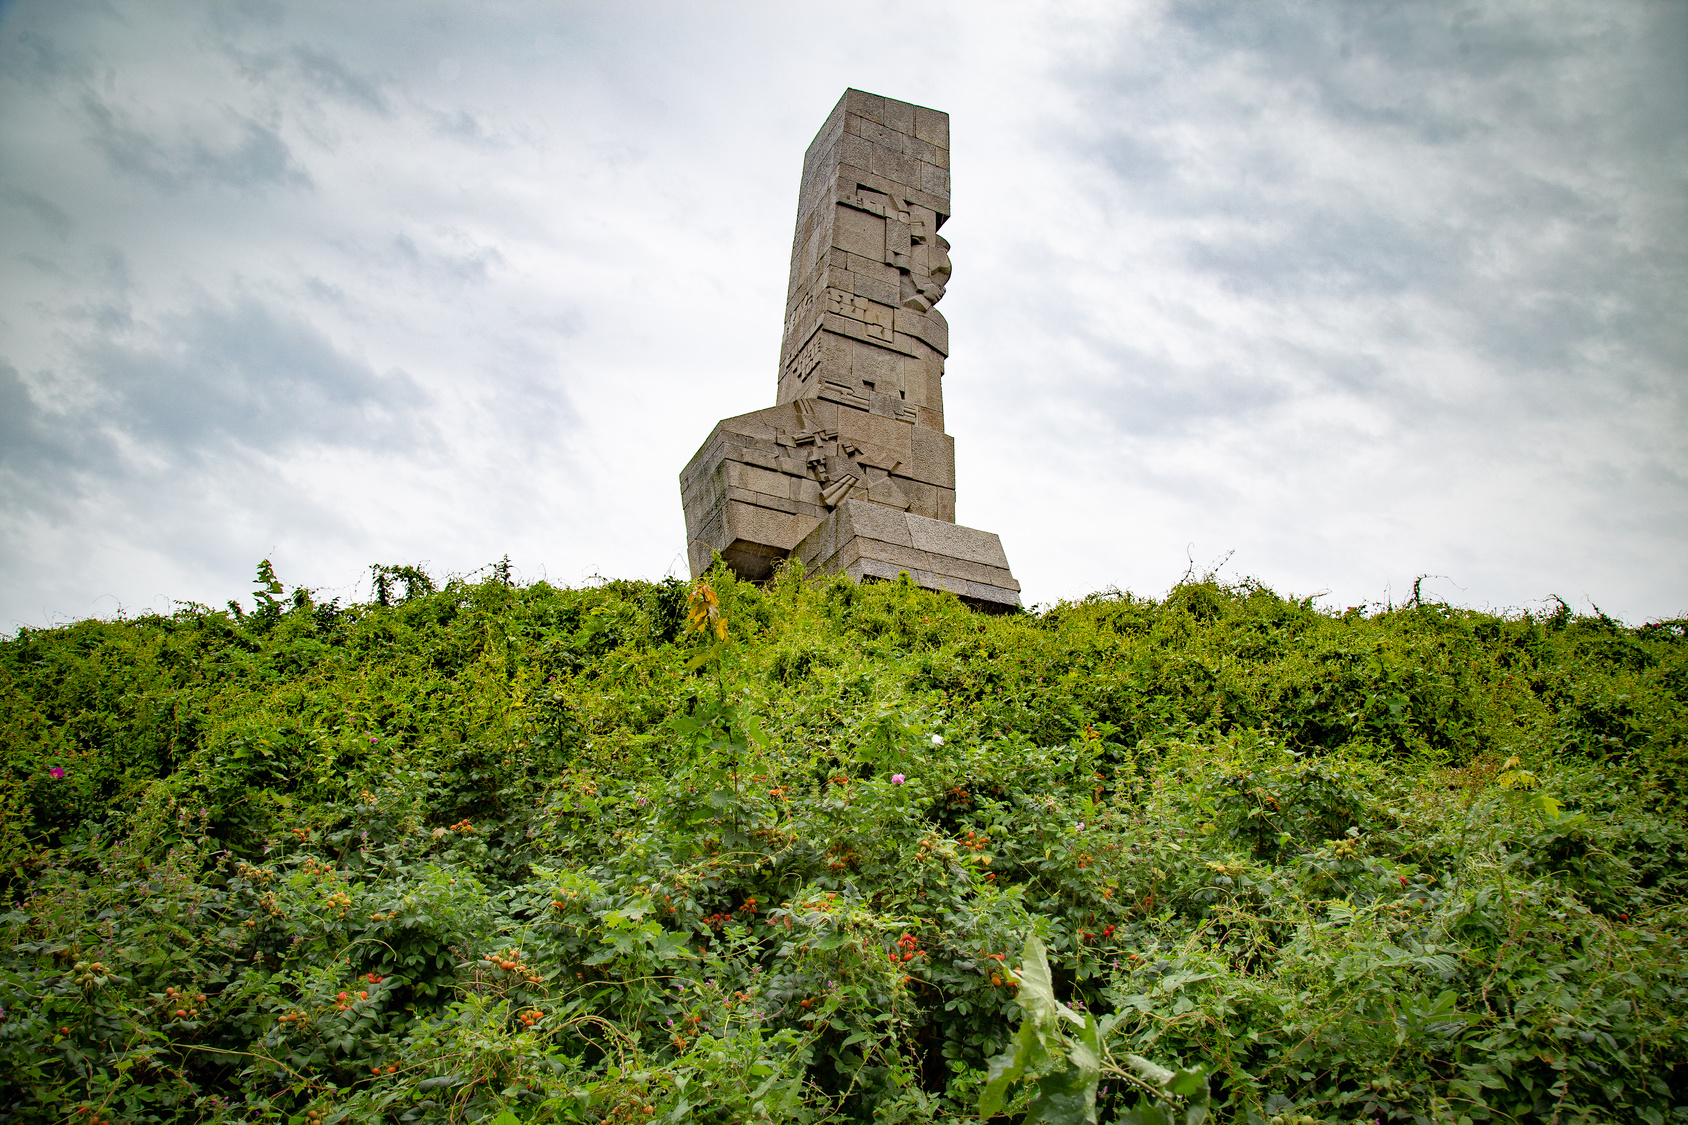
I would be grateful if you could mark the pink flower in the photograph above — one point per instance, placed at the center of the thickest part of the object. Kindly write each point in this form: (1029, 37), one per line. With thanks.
(897, 779)
(56, 771)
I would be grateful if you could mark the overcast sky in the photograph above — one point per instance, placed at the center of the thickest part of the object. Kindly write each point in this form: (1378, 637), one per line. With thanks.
(1342, 293)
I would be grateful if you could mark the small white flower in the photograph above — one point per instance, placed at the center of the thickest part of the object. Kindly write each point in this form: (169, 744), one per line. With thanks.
(937, 740)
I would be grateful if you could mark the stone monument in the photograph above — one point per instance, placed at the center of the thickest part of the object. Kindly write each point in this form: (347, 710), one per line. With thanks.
(851, 469)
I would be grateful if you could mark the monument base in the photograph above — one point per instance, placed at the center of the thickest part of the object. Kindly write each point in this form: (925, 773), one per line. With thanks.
(759, 483)
(867, 540)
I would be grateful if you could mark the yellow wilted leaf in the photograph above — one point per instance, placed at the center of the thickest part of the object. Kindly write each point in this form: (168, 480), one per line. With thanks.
(703, 611)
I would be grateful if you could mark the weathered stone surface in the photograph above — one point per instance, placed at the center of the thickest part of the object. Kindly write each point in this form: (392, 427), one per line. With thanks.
(867, 540)
(937, 537)
(867, 261)
(851, 470)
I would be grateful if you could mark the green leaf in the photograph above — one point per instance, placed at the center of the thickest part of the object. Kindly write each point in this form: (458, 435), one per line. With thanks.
(1146, 1114)
(670, 945)
(1070, 1097)
(1154, 1072)
(1067, 1098)
(1037, 990)
(1188, 1082)
(1025, 1052)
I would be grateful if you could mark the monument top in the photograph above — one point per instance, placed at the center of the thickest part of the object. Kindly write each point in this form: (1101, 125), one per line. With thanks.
(867, 262)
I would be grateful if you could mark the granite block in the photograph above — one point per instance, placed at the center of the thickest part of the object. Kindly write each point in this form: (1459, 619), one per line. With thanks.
(956, 541)
(857, 232)
(868, 539)
(874, 521)
(932, 125)
(931, 457)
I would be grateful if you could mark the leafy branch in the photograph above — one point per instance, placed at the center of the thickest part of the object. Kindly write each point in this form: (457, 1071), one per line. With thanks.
(1066, 1065)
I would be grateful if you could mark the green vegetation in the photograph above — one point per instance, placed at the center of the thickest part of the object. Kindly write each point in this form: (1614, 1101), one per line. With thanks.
(501, 853)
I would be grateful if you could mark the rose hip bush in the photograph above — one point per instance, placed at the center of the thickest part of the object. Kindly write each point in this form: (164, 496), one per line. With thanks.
(815, 851)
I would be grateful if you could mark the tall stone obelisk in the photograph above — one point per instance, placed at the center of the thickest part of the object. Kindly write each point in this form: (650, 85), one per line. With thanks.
(851, 470)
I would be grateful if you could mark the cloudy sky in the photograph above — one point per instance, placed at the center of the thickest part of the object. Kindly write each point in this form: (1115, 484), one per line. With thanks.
(1333, 294)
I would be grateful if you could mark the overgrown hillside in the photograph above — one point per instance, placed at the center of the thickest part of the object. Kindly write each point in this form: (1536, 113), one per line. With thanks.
(502, 853)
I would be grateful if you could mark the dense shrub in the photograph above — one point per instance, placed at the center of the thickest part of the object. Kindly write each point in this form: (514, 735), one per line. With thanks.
(493, 852)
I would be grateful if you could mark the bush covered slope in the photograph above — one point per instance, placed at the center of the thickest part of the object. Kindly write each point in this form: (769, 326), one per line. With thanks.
(504, 853)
